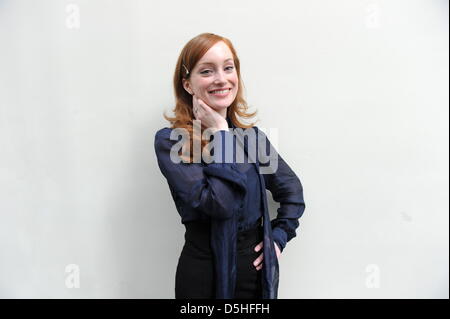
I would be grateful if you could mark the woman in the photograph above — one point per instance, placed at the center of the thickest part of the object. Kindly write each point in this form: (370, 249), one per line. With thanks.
(232, 247)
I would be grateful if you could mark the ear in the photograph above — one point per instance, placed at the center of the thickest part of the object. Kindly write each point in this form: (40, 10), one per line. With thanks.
(186, 86)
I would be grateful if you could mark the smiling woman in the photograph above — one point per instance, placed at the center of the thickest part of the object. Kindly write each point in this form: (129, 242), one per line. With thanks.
(232, 247)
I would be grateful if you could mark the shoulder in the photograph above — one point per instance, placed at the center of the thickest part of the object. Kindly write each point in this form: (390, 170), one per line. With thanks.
(253, 130)
(249, 129)
(162, 138)
(166, 137)
(259, 132)
(165, 131)
(257, 129)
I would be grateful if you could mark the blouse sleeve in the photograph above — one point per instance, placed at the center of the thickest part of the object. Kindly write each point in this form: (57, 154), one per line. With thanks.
(216, 189)
(287, 190)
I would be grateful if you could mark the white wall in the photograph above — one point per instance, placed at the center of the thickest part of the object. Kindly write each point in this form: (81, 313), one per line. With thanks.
(357, 89)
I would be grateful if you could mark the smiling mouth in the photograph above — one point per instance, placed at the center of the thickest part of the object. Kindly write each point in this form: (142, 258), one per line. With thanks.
(222, 91)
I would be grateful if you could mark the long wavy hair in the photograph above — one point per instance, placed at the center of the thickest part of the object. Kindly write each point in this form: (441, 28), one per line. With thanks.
(184, 115)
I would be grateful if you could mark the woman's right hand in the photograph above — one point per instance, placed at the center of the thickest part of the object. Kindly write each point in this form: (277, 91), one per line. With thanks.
(209, 117)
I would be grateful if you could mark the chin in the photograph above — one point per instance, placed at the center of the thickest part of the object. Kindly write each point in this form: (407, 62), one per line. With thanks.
(221, 104)
(219, 107)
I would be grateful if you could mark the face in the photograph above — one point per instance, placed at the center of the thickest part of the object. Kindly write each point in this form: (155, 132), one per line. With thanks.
(214, 71)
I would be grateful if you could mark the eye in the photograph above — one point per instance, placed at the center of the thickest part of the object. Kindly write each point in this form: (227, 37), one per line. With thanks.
(227, 68)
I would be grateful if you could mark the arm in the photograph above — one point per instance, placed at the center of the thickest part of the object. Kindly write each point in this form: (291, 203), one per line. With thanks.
(215, 189)
(287, 190)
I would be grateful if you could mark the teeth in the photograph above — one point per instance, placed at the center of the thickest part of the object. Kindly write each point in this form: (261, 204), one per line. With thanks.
(220, 91)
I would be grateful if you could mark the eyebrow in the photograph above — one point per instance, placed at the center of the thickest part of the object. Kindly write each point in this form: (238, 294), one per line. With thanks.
(213, 63)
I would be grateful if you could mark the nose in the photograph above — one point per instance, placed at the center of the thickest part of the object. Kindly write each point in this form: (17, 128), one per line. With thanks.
(220, 77)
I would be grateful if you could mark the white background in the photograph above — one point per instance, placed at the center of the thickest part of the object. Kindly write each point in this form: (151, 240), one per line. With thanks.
(358, 91)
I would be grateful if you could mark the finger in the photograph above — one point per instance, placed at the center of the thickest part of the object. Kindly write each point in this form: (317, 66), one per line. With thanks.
(278, 250)
(258, 260)
(195, 107)
(199, 104)
(203, 106)
(259, 246)
(259, 267)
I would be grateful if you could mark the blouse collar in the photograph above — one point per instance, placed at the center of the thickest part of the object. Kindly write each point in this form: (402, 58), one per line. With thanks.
(230, 123)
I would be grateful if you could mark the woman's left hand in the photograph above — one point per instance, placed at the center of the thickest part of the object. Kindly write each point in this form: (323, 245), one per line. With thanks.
(258, 261)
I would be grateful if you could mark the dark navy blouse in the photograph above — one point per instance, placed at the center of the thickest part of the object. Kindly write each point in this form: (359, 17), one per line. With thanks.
(232, 197)
(252, 212)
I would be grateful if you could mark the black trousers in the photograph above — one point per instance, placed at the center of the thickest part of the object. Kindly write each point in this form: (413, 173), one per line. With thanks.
(195, 271)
